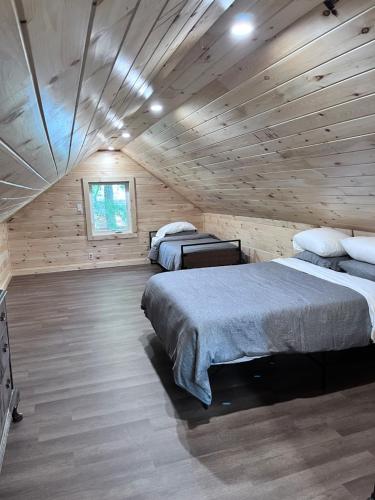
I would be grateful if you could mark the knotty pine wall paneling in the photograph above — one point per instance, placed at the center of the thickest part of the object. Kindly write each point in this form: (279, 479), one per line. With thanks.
(262, 239)
(50, 235)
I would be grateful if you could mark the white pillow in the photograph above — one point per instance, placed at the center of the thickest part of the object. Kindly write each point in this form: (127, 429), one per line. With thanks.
(175, 227)
(361, 248)
(323, 241)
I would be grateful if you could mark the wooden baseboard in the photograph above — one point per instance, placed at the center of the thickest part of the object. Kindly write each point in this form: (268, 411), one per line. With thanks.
(77, 267)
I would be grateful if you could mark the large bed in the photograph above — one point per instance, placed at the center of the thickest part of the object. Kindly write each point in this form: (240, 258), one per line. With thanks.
(227, 314)
(191, 249)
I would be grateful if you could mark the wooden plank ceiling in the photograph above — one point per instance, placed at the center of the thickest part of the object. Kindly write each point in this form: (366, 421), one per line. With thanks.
(278, 125)
(71, 70)
(290, 132)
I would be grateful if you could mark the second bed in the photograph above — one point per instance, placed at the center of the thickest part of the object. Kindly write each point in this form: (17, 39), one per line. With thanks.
(191, 249)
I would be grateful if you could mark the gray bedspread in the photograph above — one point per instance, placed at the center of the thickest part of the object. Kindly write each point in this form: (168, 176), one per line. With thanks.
(167, 252)
(220, 314)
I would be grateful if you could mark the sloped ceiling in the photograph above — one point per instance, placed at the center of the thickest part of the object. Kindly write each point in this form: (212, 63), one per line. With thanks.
(70, 71)
(280, 124)
(290, 136)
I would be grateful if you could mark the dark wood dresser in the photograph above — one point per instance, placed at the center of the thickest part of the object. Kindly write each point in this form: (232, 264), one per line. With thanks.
(9, 395)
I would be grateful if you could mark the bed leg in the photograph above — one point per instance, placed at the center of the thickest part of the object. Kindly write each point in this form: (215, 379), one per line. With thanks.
(205, 406)
(16, 415)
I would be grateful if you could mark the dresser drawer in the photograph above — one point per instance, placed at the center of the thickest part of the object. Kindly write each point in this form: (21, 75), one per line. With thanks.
(4, 354)
(3, 317)
(6, 390)
(9, 396)
(3, 310)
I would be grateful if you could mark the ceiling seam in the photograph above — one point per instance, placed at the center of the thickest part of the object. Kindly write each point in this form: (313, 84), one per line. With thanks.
(25, 41)
(160, 93)
(259, 114)
(160, 179)
(270, 91)
(21, 186)
(151, 56)
(130, 68)
(283, 137)
(81, 74)
(21, 161)
(205, 12)
(286, 57)
(108, 77)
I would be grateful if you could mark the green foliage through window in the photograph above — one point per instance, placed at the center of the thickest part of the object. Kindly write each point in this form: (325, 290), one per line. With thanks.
(110, 207)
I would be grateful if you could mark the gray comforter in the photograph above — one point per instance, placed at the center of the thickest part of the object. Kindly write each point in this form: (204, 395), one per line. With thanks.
(220, 314)
(167, 252)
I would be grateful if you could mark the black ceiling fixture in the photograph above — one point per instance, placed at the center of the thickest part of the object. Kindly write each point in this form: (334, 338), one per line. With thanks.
(331, 9)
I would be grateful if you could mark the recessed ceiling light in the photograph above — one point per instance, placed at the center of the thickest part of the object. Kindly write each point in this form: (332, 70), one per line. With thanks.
(111, 148)
(156, 107)
(126, 135)
(241, 28)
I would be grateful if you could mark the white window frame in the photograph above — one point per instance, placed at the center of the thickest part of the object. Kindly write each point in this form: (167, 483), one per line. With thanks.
(132, 232)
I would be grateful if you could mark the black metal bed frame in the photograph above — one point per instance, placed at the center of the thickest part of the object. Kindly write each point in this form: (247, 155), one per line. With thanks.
(151, 234)
(212, 243)
(319, 359)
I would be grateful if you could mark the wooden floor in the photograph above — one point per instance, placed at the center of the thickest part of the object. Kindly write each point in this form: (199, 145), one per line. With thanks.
(104, 420)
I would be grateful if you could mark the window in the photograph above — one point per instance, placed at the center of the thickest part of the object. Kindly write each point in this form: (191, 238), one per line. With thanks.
(110, 208)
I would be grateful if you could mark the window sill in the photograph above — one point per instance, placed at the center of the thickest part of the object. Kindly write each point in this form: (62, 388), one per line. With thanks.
(112, 236)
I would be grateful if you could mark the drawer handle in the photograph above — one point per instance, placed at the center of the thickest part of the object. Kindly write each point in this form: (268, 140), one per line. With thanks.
(5, 347)
(7, 385)
(3, 316)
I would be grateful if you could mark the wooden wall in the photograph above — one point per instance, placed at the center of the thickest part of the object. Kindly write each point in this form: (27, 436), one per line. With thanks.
(50, 235)
(5, 266)
(262, 239)
(291, 133)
